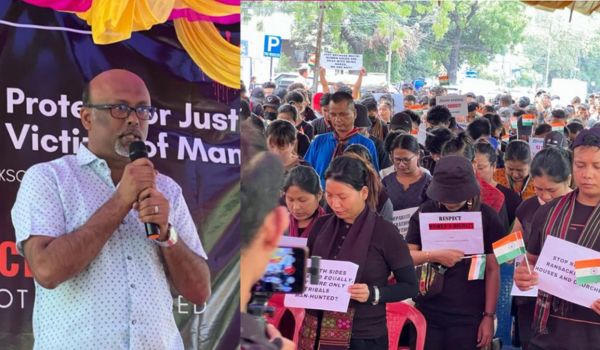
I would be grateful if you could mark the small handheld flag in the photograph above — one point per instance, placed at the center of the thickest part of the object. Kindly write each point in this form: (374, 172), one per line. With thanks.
(477, 269)
(587, 271)
(509, 247)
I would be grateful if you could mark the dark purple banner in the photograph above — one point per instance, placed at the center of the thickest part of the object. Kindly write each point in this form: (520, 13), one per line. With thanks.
(193, 138)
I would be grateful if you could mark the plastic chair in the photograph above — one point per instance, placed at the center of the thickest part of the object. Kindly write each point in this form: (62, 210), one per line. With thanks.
(276, 302)
(397, 313)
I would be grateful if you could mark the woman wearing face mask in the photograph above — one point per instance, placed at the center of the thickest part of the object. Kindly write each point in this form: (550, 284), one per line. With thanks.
(302, 189)
(296, 99)
(289, 113)
(515, 174)
(462, 315)
(407, 185)
(354, 232)
(551, 177)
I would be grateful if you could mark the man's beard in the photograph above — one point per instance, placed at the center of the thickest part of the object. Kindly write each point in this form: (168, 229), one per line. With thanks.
(120, 149)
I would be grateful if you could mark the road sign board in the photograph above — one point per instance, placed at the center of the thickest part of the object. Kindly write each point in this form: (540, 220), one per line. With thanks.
(272, 46)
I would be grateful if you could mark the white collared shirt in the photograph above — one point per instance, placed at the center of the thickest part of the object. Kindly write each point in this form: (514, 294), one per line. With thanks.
(122, 300)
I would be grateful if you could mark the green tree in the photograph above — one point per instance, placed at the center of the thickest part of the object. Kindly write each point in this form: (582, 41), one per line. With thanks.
(477, 31)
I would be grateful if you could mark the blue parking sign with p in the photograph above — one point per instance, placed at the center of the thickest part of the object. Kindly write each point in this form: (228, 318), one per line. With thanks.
(272, 46)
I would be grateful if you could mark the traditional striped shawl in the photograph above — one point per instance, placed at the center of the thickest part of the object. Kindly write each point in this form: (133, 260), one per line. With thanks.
(557, 225)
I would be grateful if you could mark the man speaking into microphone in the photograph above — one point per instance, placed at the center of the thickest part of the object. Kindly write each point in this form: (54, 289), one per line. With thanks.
(102, 281)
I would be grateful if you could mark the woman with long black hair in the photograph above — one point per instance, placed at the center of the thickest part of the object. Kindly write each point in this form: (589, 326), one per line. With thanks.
(354, 232)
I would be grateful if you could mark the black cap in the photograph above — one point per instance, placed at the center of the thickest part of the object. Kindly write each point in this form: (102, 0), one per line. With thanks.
(524, 101)
(258, 92)
(272, 101)
(453, 180)
(362, 116)
(401, 121)
(587, 137)
(555, 139)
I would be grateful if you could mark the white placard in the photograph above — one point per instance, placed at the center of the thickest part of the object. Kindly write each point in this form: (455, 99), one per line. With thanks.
(535, 145)
(331, 293)
(296, 242)
(515, 291)
(401, 219)
(556, 271)
(422, 134)
(457, 104)
(331, 60)
(452, 230)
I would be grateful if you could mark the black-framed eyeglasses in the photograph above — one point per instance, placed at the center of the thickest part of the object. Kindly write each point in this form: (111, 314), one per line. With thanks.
(404, 160)
(122, 111)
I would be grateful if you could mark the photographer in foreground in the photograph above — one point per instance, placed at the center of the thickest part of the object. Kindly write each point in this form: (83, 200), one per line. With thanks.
(262, 224)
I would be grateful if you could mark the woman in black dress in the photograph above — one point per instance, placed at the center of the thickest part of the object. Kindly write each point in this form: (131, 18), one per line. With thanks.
(354, 232)
(461, 316)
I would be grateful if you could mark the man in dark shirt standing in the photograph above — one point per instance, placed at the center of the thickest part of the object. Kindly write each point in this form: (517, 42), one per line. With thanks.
(560, 324)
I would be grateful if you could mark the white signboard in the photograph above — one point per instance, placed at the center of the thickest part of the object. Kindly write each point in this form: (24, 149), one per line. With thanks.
(331, 293)
(556, 271)
(401, 219)
(296, 242)
(515, 291)
(331, 60)
(535, 145)
(453, 230)
(457, 104)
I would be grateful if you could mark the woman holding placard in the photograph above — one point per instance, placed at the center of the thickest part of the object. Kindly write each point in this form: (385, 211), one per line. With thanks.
(572, 218)
(460, 313)
(356, 233)
(302, 192)
(407, 185)
(551, 177)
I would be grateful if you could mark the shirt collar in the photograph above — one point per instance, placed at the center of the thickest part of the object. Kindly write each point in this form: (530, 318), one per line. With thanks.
(85, 156)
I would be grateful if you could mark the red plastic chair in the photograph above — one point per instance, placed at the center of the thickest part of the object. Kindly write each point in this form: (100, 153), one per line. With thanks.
(276, 302)
(397, 313)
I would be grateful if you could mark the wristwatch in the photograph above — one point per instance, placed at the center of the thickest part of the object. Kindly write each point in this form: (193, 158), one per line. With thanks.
(171, 240)
(492, 315)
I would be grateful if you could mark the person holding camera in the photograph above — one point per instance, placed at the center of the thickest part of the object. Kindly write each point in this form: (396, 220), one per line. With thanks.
(354, 232)
(460, 312)
(262, 223)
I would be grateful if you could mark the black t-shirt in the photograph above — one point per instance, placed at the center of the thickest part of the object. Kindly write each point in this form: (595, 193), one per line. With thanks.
(459, 295)
(512, 201)
(306, 129)
(387, 252)
(525, 213)
(303, 144)
(581, 213)
(382, 157)
(412, 197)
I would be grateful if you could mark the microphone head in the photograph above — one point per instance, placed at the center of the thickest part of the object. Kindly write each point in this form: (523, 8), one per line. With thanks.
(137, 150)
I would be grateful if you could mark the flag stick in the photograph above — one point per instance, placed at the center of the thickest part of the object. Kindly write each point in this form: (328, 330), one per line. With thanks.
(527, 263)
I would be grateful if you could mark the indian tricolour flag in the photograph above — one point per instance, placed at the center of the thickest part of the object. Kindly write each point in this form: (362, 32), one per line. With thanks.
(587, 271)
(477, 269)
(509, 247)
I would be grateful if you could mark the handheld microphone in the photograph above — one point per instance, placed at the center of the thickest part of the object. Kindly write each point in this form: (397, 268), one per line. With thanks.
(315, 264)
(137, 150)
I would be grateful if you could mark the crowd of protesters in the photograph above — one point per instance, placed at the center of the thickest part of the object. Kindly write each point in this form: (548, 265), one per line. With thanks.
(352, 159)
